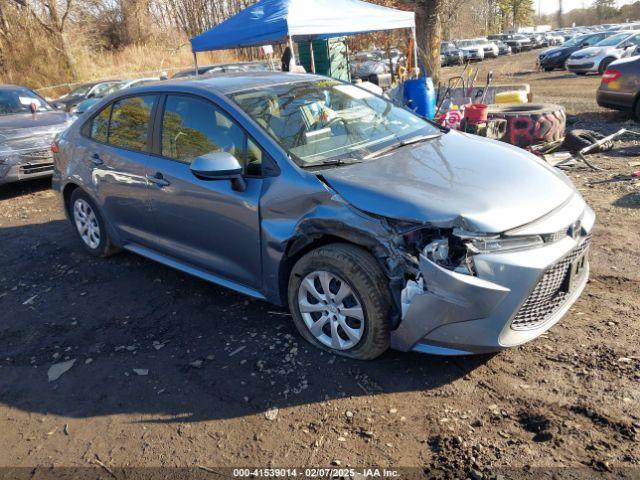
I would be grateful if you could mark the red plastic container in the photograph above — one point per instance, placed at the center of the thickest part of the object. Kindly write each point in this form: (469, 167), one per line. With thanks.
(476, 113)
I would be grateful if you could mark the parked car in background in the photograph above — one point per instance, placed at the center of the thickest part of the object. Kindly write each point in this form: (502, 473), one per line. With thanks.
(491, 50)
(88, 103)
(325, 195)
(450, 54)
(537, 40)
(503, 48)
(555, 58)
(366, 70)
(596, 59)
(620, 86)
(87, 90)
(28, 124)
(518, 43)
(472, 51)
(554, 39)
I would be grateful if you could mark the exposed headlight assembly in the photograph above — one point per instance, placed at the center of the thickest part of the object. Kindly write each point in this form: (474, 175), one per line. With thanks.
(503, 244)
(439, 252)
(490, 243)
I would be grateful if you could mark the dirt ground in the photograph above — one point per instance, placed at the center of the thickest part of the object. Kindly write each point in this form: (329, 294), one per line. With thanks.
(172, 371)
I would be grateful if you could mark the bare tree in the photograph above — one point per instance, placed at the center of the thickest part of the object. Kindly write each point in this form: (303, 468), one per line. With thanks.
(429, 33)
(52, 16)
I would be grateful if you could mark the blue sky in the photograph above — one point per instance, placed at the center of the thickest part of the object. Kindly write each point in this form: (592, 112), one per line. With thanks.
(551, 6)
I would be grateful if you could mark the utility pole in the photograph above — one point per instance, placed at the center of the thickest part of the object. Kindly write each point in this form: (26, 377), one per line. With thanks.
(560, 13)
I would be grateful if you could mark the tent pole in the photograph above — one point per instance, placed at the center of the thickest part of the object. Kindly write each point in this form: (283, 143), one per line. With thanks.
(313, 59)
(195, 61)
(293, 53)
(415, 48)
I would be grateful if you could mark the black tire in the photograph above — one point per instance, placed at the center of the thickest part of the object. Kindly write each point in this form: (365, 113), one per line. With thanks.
(105, 247)
(636, 110)
(549, 69)
(363, 275)
(578, 139)
(604, 65)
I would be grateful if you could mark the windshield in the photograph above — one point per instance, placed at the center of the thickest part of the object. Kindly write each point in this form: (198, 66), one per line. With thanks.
(103, 88)
(19, 100)
(81, 91)
(466, 43)
(322, 122)
(574, 41)
(613, 41)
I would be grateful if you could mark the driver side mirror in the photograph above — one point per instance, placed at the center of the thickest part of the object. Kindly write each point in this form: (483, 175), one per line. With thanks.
(219, 166)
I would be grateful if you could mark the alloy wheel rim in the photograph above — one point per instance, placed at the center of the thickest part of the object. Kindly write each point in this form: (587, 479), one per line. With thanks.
(86, 223)
(331, 310)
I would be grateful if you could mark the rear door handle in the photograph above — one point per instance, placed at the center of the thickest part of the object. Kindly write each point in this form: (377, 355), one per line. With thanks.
(96, 160)
(158, 179)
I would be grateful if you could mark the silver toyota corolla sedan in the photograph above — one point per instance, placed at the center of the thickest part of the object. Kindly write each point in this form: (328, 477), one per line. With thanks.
(376, 227)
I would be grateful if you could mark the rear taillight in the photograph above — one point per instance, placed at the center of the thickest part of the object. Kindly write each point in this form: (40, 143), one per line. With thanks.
(54, 147)
(611, 76)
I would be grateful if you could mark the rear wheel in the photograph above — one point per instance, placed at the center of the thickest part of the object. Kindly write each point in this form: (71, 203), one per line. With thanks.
(636, 110)
(340, 301)
(89, 225)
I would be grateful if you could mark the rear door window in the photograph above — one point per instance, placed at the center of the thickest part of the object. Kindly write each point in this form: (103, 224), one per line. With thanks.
(129, 125)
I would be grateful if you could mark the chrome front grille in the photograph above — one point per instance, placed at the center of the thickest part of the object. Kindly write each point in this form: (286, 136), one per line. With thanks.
(550, 293)
(32, 169)
(35, 162)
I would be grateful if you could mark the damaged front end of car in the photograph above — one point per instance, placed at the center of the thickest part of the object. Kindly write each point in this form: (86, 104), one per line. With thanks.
(26, 154)
(467, 292)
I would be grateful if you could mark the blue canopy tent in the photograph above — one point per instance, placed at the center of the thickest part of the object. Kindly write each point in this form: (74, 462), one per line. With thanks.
(279, 21)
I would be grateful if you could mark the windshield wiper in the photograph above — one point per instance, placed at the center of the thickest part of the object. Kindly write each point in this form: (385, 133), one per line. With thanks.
(401, 144)
(328, 163)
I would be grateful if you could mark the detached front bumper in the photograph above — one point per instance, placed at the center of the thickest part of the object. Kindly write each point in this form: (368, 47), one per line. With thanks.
(515, 297)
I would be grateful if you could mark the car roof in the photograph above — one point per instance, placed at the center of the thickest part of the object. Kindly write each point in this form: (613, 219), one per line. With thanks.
(9, 86)
(226, 84)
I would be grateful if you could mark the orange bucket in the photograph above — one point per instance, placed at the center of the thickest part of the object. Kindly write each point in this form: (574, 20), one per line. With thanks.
(476, 113)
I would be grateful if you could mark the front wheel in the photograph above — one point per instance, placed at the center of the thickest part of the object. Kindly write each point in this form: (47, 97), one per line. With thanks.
(340, 301)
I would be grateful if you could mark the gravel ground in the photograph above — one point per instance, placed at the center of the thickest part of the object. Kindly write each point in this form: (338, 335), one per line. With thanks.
(172, 371)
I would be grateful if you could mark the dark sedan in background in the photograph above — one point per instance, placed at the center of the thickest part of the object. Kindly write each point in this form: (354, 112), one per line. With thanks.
(28, 125)
(555, 58)
(450, 55)
(620, 87)
(82, 93)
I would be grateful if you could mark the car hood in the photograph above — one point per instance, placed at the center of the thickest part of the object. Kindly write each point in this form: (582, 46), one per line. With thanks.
(455, 180)
(26, 130)
(594, 49)
(30, 120)
(551, 51)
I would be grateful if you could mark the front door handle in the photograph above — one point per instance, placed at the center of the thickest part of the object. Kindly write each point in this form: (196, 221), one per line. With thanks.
(158, 179)
(96, 160)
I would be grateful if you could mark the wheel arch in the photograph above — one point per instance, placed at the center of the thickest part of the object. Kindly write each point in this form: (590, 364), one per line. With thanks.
(67, 191)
